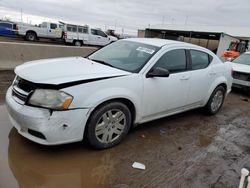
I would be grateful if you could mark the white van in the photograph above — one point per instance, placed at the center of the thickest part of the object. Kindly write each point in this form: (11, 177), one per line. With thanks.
(80, 35)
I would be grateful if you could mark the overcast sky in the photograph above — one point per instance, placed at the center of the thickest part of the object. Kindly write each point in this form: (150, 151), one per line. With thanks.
(130, 14)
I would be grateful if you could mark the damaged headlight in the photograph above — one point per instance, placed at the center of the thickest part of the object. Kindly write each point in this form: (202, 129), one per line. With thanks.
(52, 99)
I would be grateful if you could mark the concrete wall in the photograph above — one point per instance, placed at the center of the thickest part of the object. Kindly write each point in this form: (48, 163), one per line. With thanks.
(13, 54)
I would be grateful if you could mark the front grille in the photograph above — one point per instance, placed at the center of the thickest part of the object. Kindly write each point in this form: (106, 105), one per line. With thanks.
(19, 95)
(241, 76)
(25, 85)
(21, 89)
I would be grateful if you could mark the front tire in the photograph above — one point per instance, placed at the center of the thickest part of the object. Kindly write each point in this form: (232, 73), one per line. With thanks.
(215, 101)
(108, 125)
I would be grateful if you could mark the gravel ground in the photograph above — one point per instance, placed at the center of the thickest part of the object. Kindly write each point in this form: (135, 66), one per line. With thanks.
(188, 150)
(6, 78)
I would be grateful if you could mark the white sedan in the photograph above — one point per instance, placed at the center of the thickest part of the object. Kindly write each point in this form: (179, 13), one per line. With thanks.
(131, 81)
(241, 71)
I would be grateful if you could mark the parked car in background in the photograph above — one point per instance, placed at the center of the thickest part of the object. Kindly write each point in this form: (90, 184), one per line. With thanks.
(128, 82)
(80, 35)
(241, 71)
(44, 30)
(8, 28)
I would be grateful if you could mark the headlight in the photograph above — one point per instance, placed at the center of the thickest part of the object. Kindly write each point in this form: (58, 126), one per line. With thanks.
(48, 98)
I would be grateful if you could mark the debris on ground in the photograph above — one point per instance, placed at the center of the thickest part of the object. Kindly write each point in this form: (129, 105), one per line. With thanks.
(244, 99)
(163, 131)
(244, 178)
(142, 136)
(139, 166)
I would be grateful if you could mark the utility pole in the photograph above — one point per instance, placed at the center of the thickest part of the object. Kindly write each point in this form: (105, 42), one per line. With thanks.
(21, 15)
(163, 20)
(186, 21)
(115, 24)
(173, 21)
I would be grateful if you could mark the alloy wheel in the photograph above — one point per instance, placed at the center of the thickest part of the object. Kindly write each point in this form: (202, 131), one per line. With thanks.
(110, 126)
(217, 100)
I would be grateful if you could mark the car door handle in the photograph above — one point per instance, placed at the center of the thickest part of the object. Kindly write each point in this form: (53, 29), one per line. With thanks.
(212, 73)
(99, 37)
(184, 78)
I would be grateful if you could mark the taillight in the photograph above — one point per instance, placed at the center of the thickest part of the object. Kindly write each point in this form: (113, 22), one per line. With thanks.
(65, 35)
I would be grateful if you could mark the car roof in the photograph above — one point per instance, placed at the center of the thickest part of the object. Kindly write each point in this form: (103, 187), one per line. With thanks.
(158, 42)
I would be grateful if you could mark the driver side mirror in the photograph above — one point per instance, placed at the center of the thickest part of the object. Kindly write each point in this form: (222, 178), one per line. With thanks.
(158, 72)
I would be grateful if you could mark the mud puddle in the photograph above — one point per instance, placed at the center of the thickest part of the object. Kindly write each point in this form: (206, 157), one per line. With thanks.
(187, 150)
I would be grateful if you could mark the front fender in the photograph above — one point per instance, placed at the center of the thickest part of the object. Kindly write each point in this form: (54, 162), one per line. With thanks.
(91, 95)
(101, 96)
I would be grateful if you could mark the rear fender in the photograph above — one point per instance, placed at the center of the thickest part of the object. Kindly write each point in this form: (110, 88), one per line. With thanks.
(220, 80)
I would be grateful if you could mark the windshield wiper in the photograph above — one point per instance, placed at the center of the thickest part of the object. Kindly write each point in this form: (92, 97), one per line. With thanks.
(101, 62)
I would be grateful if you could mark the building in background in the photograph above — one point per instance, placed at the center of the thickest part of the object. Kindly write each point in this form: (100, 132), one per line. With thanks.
(215, 38)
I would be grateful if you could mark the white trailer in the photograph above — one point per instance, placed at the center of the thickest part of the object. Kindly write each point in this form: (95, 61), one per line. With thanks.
(43, 30)
(80, 35)
(224, 43)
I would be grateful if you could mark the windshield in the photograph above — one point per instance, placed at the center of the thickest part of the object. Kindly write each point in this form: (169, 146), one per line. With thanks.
(243, 59)
(125, 55)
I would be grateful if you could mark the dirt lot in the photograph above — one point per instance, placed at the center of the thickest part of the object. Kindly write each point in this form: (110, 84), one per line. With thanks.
(189, 150)
(6, 78)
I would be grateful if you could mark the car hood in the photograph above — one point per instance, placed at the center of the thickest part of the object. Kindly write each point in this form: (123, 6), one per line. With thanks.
(240, 67)
(64, 70)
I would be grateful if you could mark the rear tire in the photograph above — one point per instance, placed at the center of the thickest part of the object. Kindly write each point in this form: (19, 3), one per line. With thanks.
(30, 36)
(108, 125)
(77, 43)
(215, 101)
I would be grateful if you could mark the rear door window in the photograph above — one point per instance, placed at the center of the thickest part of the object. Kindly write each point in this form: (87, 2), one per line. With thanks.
(85, 29)
(74, 29)
(82, 29)
(43, 25)
(71, 28)
(200, 60)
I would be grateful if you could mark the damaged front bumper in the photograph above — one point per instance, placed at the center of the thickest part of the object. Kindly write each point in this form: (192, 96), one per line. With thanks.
(44, 126)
